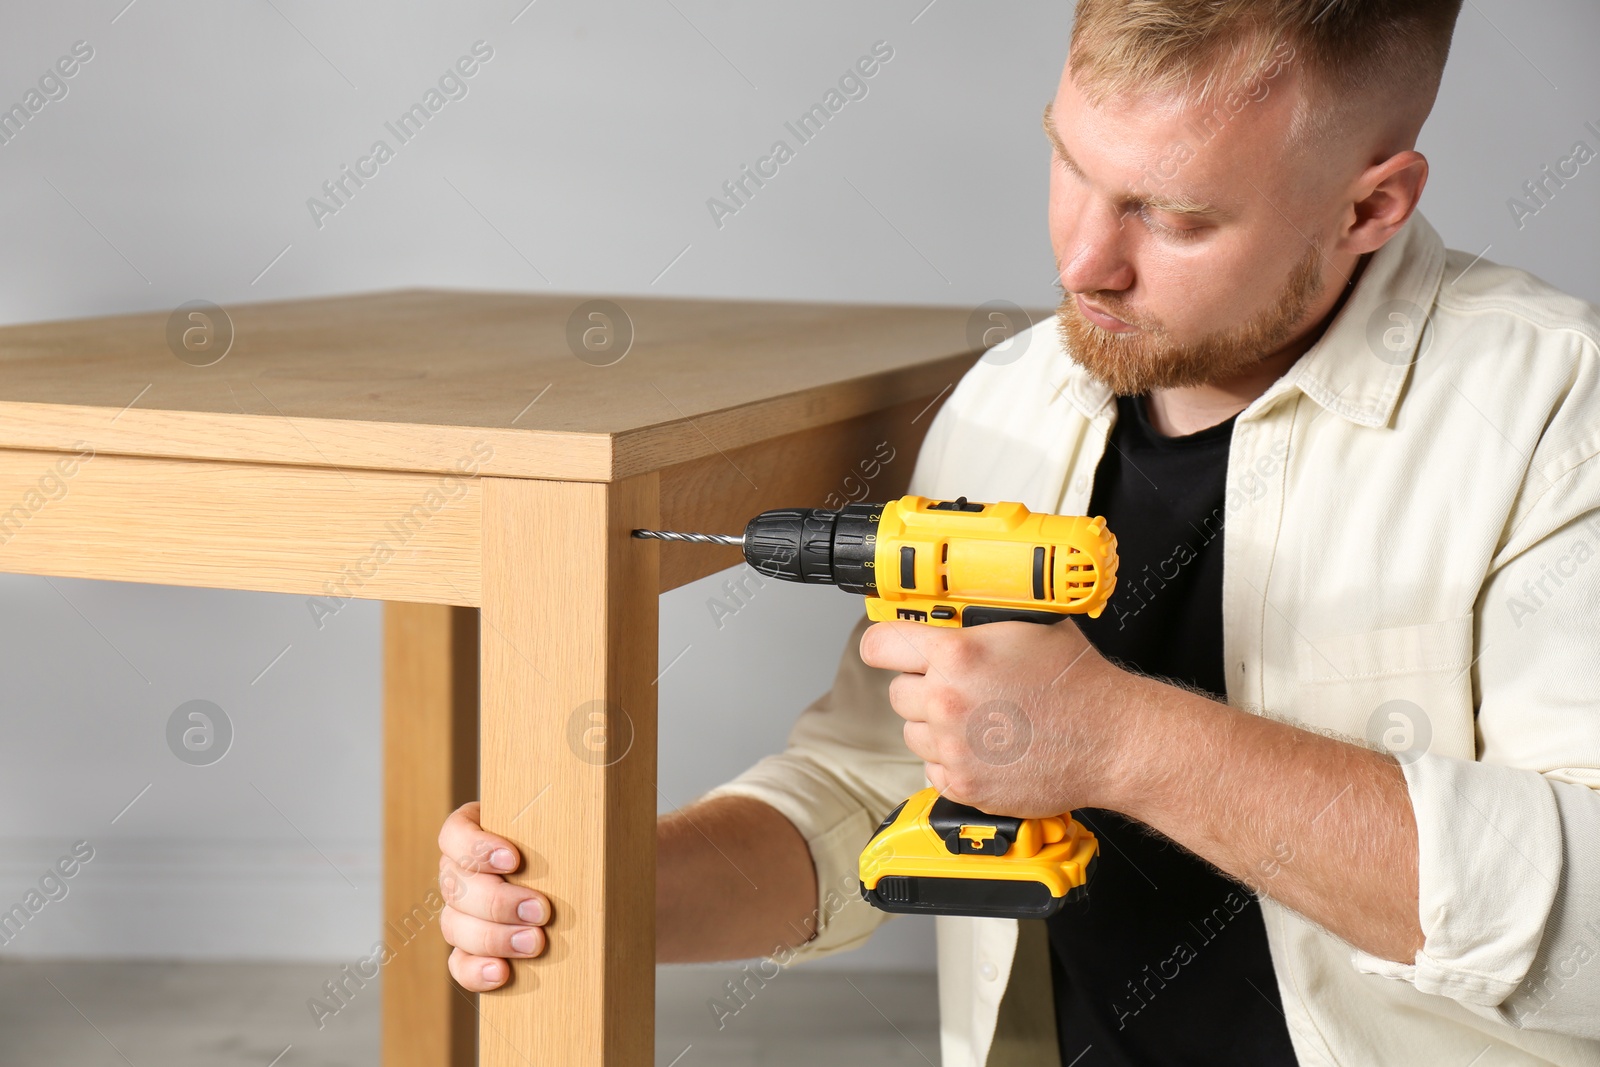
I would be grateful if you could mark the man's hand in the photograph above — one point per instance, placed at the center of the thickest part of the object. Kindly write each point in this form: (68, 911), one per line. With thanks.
(1015, 718)
(486, 918)
(1021, 719)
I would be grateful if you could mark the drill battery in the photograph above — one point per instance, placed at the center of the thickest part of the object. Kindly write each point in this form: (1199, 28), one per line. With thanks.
(931, 855)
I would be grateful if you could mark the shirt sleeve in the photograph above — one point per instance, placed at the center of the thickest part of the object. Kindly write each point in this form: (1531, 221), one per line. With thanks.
(1509, 844)
(845, 766)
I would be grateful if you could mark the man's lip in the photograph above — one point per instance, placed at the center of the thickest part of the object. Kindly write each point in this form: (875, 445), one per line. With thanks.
(1100, 318)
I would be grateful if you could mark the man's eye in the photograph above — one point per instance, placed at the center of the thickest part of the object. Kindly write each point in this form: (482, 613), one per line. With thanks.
(1174, 232)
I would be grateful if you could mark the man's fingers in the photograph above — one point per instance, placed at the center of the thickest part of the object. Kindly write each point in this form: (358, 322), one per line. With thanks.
(491, 897)
(919, 740)
(909, 695)
(898, 646)
(473, 848)
(478, 974)
(482, 938)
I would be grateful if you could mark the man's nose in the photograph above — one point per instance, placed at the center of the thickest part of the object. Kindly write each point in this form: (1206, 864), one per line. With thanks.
(1093, 249)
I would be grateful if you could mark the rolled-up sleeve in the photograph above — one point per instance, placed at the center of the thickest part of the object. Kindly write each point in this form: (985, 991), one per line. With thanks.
(1489, 862)
(1509, 844)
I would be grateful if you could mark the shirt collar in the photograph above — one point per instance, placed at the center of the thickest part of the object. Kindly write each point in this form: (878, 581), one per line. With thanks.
(1358, 366)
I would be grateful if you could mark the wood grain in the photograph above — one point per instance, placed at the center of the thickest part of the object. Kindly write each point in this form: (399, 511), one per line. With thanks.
(430, 767)
(416, 380)
(326, 534)
(451, 448)
(568, 739)
(207, 523)
(869, 457)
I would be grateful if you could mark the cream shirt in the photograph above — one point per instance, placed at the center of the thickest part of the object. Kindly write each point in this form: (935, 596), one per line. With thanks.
(1411, 555)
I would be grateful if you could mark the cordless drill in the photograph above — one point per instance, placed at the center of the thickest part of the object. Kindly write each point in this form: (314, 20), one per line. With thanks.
(950, 563)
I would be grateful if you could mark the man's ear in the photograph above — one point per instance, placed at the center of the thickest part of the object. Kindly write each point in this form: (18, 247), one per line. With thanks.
(1386, 194)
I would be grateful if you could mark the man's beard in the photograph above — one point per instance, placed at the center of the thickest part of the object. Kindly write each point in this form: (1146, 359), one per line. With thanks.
(1134, 363)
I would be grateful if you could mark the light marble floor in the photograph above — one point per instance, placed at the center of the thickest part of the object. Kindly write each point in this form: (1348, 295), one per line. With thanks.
(153, 1014)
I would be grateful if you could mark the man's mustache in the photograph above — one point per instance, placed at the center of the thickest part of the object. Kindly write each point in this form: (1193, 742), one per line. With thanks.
(1112, 305)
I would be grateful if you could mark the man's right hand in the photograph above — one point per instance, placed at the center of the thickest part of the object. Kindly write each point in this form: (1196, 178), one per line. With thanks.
(486, 918)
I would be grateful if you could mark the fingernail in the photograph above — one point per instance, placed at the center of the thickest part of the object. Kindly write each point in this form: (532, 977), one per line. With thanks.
(493, 972)
(502, 858)
(530, 911)
(522, 940)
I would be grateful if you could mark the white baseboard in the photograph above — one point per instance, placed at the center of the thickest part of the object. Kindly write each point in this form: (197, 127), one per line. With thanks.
(198, 899)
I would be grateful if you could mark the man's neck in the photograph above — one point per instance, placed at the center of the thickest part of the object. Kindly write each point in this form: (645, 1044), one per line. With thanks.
(1177, 412)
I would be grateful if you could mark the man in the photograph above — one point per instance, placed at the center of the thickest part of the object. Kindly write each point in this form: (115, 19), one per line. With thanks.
(1402, 444)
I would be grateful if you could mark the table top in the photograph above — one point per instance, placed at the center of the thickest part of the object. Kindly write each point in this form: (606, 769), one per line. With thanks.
(424, 380)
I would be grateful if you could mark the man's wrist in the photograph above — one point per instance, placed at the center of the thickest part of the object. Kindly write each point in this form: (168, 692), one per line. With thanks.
(1158, 748)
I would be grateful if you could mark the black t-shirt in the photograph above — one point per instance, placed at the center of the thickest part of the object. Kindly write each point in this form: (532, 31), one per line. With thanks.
(1166, 960)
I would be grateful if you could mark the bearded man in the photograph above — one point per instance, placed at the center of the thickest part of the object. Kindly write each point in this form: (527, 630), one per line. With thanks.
(1338, 732)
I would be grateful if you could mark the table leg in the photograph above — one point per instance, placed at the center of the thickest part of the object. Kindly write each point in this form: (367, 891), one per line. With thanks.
(568, 738)
(430, 740)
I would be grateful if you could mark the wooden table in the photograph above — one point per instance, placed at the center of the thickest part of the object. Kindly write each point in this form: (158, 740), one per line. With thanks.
(451, 454)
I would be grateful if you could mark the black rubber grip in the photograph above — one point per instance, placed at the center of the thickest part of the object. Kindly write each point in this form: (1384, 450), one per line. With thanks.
(978, 614)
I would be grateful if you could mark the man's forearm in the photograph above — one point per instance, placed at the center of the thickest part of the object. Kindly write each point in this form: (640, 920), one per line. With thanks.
(734, 880)
(1320, 825)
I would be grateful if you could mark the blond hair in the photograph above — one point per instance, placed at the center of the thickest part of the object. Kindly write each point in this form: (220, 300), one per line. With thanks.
(1201, 50)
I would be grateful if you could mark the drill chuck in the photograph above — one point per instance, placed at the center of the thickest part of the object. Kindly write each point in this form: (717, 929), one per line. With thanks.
(817, 545)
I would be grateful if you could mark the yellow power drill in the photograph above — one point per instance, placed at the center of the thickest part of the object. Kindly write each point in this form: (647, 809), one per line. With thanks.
(950, 563)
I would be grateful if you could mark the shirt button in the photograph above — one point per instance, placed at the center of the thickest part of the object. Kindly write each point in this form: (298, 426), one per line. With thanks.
(1081, 484)
(986, 969)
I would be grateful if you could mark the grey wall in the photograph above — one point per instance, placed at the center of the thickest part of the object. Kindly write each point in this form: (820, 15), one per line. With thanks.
(178, 167)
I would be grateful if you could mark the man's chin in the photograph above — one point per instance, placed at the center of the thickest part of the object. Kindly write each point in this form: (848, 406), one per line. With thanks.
(1137, 361)
(1119, 360)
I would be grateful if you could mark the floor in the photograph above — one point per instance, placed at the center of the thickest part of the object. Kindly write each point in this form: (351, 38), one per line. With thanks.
(143, 1014)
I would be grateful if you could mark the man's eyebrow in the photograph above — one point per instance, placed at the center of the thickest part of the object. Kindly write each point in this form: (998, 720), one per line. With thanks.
(1175, 205)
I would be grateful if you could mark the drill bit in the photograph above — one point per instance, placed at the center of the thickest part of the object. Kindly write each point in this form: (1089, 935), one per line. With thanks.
(700, 538)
